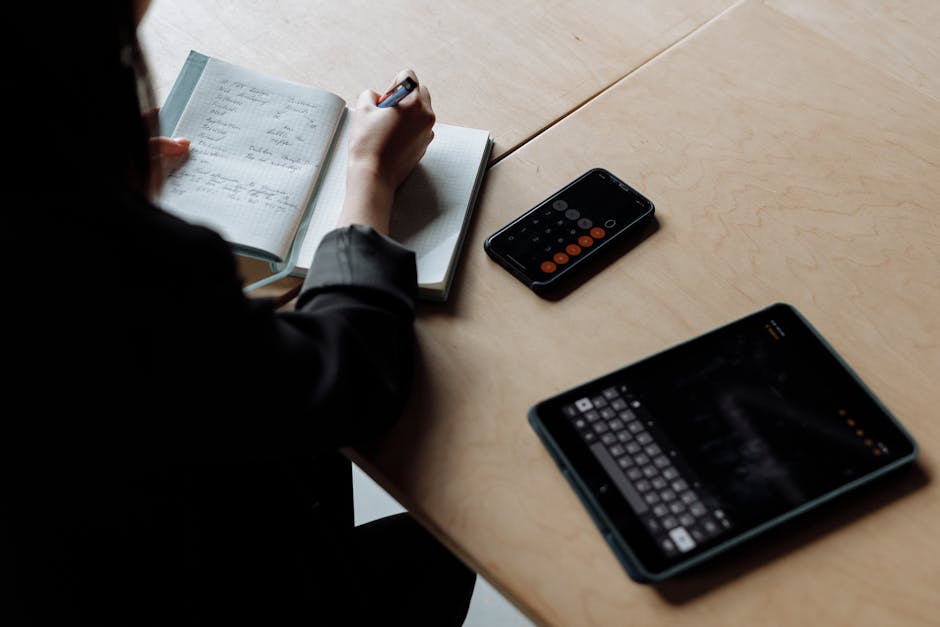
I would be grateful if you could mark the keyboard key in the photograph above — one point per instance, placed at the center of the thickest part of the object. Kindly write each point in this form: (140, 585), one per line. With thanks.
(583, 404)
(650, 471)
(644, 438)
(653, 449)
(682, 539)
(600, 427)
(610, 393)
(676, 507)
(599, 401)
(661, 461)
(635, 474)
(642, 459)
(607, 413)
(651, 498)
(658, 482)
(679, 485)
(624, 436)
(580, 423)
(698, 509)
(592, 416)
(616, 450)
(687, 520)
(670, 473)
(609, 438)
(618, 404)
(668, 495)
(660, 510)
(589, 436)
(670, 522)
(643, 485)
(625, 462)
(688, 497)
(633, 448)
(616, 424)
(627, 415)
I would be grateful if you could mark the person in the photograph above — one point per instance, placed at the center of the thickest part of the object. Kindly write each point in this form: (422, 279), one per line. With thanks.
(170, 446)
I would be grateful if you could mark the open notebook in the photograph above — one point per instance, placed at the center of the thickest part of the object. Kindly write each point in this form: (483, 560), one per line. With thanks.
(267, 170)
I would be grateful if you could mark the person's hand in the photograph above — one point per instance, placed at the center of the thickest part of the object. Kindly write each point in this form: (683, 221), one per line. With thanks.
(166, 154)
(384, 147)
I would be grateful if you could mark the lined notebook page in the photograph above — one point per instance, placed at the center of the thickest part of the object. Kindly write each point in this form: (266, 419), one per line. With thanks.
(257, 145)
(430, 206)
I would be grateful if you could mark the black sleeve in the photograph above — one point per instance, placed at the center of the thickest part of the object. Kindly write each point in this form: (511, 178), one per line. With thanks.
(242, 380)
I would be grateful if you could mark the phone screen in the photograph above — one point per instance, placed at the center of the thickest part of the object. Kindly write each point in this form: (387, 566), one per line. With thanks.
(569, 226)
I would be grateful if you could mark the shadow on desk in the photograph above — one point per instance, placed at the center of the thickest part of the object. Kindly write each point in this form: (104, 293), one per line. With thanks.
(794, 534)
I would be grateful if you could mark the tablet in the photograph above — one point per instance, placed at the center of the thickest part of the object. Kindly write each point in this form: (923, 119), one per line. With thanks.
(696, 449)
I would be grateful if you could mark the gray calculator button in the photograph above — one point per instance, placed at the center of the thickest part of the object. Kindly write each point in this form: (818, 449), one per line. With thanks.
(651, 498)
(688, 497)
(668, 547)
(624, 436)
(572, 214)
(698, 509)
(618, 404)
(600, 427)
(599, 401)
(616, 424)
(635, 474)
(660, 510)
(580, 423)
(592, 415)
(644, 438)
(676, 507)
(585, 223)
(710, 527)
(635, 427)
(659, 483)
(625, 462)
(559, 205)
(669, 522)
(661, 461)
(653, 450)
(643, 485)
(650, 471)
(627, 415)
(633, 448)
(687, 520)
(668, 495)
(679, 485)
(642, 459)
(616, 450)
(610, 393)
(570, 411)
(607, 413)
(670, 473)
(583, 404)
(608, 438)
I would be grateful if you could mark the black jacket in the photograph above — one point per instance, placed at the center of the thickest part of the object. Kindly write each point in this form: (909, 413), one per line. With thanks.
(163, 432)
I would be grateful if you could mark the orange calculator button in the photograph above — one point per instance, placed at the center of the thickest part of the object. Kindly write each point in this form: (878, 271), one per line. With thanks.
(585, 241)
(548, 267)
(597, 232)
(560, 258)
(573, 249)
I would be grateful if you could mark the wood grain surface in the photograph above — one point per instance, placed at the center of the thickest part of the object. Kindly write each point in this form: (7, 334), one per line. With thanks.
(785, 167)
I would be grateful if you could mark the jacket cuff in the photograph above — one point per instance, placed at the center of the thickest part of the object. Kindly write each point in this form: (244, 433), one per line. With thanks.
(357, 258)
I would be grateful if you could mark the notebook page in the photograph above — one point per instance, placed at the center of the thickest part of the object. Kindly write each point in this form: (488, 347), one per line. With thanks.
(430, 206)
(257, 146)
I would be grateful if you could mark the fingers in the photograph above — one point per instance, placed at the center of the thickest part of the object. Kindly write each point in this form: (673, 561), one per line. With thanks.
(368, 98)
(169, 147)
(402, 75)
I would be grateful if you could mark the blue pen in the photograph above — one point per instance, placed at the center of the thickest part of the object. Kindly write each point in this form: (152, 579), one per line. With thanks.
(396, 93)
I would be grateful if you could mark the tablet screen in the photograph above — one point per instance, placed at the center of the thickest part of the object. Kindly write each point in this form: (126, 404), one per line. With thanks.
(713, 439)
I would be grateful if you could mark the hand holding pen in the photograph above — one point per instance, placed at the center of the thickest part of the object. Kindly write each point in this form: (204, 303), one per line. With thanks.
(389, 134)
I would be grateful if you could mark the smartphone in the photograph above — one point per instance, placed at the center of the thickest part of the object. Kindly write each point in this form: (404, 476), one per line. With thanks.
(553, 243)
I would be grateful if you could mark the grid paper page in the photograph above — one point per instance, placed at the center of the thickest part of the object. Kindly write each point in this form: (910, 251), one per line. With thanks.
(257, 145)
(430, 206)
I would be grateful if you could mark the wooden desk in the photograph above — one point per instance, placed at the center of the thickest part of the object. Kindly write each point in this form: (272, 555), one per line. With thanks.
(785, 166)
(510, 67)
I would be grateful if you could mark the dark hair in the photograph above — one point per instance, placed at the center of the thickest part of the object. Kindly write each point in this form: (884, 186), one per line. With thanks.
(85, 86)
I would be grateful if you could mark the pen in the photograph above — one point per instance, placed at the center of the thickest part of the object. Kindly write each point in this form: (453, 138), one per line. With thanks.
(396, 93)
